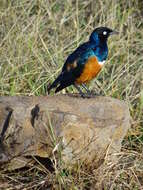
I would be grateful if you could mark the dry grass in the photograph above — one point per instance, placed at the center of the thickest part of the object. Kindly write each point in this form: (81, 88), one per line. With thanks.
(35, 38)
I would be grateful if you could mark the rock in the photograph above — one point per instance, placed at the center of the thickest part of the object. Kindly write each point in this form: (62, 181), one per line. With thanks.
(86, 130)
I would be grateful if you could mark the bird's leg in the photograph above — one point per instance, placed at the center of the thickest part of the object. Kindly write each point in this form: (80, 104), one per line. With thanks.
(87, 90)
(79, 90)
(82, 94)
(89, 93)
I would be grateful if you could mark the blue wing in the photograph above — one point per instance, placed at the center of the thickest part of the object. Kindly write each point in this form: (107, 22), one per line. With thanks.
(77, 54)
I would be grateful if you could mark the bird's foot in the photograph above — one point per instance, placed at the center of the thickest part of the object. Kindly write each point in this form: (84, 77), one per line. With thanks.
(89, 95)
(79, 95)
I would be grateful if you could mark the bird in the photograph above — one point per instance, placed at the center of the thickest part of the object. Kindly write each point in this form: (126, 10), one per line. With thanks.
(85, 62)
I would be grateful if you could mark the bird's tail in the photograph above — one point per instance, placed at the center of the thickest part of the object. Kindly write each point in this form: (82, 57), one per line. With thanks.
(55, 83)
(63, 80)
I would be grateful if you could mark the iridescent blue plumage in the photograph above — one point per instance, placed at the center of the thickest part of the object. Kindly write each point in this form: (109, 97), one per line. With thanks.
(88, 49)
(75, 63)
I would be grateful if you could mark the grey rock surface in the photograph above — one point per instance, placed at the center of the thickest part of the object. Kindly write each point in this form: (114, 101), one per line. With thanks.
(86, 130)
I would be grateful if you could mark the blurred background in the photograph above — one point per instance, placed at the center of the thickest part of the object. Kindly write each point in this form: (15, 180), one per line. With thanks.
(36, 36)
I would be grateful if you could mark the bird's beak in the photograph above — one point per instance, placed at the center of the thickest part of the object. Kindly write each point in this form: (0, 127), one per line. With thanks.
(114, 32)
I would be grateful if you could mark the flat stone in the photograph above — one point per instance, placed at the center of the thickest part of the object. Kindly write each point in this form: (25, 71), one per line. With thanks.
(82, 129)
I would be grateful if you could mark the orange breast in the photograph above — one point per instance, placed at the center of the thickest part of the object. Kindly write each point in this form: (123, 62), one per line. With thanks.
(90, 71)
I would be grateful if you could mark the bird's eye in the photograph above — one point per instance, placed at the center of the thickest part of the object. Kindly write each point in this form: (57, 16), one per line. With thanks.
(105, 33)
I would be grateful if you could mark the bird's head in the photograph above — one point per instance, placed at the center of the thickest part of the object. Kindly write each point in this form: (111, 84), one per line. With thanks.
(101, 34)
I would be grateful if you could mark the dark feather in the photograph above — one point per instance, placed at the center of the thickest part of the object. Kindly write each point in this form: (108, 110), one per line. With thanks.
(64, 79)
(55, 83)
